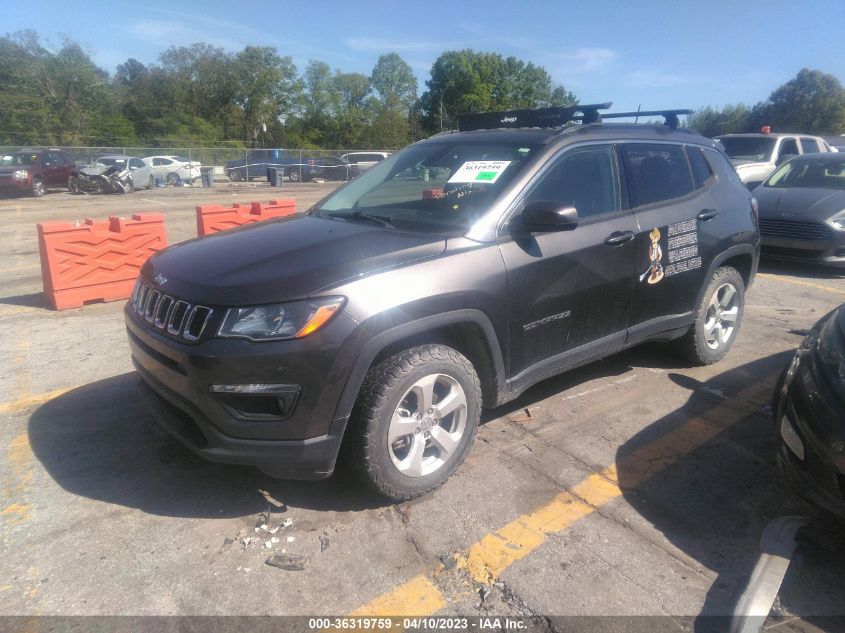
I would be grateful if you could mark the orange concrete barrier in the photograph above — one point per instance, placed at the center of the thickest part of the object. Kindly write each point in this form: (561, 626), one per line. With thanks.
(212, 218)
(96, 261)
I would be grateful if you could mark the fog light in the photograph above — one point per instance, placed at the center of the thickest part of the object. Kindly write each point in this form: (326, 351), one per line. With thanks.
(790, 438)
(258, 401)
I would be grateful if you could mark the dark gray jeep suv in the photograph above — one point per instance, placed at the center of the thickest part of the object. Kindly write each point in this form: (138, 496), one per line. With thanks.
(449, 277)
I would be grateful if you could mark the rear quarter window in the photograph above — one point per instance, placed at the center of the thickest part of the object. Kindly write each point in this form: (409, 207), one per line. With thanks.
(656, 172)
(701, 171)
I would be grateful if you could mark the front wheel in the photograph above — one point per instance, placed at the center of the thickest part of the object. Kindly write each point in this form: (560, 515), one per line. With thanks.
(151, 183)
(294, 175)
(235, 175)
(717, 319)
(37, 187)
(415, 420)
(129, 187)
(172, 179)
(73, 184)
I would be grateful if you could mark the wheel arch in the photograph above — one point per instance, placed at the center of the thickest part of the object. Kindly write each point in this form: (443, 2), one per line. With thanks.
(742, 257)
(469, 331)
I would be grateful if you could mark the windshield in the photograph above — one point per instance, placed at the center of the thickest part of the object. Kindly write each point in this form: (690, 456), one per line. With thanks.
(748, 147)
(821, 174)
(431, 185)
(18, 159)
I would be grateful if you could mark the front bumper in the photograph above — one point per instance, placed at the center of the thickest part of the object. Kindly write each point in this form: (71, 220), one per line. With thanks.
(829, 252)
(300, 441)
(805, 399)
(8, 183)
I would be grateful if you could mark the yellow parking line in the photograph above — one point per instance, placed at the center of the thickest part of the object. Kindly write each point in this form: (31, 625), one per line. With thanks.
(30, 401)
(799, 282)
(489, 557)
(418, 596)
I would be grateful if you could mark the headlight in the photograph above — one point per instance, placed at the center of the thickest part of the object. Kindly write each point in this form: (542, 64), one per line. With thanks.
(839, 223)
(281, 320)
(21, 174)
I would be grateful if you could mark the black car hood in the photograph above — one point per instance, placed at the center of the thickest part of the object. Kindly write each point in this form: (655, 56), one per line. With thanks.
(284, 259)
(799, 203)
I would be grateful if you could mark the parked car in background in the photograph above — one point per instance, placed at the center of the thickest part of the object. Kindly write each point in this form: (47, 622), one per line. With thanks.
(34, 171)
(141, 172)
(809, 412)
(364, 160)
(325, 167)
(802, 210)
(755, 156)
(173, 168)
(256, 163)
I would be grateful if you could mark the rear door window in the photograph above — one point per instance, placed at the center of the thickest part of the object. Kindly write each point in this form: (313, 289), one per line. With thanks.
(809, 146)
(656, 172)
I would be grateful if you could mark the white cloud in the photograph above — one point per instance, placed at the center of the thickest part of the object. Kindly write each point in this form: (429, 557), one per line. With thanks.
(586, 59)
(174, 32)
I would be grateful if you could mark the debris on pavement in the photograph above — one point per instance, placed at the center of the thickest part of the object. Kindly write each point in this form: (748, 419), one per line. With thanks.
(288, 562)
(286, 523)
(483, 593)
(525, 417)
(291, 539)
(273, 501)
(324, 542)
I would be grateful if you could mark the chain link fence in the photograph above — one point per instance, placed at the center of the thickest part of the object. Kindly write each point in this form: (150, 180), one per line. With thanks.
(239, 164)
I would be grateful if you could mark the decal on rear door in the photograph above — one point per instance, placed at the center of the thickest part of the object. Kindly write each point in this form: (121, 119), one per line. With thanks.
(681, 251)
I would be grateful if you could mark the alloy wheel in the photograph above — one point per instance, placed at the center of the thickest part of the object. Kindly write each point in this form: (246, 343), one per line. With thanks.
(722, 313)
(426, 428)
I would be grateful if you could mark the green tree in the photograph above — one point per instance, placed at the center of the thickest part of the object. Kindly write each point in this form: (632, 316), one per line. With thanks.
(812, 102)
(712, 121)
(469, 81)
(395, 117)
(266, 89)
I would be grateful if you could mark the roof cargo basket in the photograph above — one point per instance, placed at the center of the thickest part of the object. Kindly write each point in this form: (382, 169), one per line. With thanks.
(539, 117)
(557, 117)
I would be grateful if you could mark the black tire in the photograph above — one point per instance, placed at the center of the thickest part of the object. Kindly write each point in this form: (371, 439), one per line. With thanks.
(294, 175)
(151, 183)
(235, 175)
(172, 178)
(73, 184)
(129, 187)
(38, 188)
(713, 332)
(386, 389)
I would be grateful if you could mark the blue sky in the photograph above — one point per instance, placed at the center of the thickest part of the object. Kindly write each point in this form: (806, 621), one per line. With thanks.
(658, 54)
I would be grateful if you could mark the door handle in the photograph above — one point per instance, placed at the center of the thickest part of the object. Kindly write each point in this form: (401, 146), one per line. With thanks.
(707, 214)
(619, 238)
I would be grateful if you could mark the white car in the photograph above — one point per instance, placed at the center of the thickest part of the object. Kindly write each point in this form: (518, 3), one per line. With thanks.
(755, 156)
(172, 168)
(141, 172)
(364, 160)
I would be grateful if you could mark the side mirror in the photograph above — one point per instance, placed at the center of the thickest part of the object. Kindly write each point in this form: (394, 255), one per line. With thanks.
(543, 214)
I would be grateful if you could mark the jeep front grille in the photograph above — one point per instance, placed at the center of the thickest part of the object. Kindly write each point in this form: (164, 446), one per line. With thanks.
(168, 314)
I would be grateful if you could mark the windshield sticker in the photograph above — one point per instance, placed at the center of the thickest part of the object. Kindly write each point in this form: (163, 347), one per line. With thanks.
(681, 252)
(481, 171)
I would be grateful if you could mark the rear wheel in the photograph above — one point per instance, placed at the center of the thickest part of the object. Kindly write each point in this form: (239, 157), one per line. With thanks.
(717, 320)
(37, 187)
(415, 420)
(172, 179)
(151, 183)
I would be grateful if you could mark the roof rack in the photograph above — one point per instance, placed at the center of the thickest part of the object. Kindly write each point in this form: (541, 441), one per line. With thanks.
(557, 117)
(670, 117)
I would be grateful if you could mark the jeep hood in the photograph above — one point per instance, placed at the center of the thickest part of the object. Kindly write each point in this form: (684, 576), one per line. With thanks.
(281, 260)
